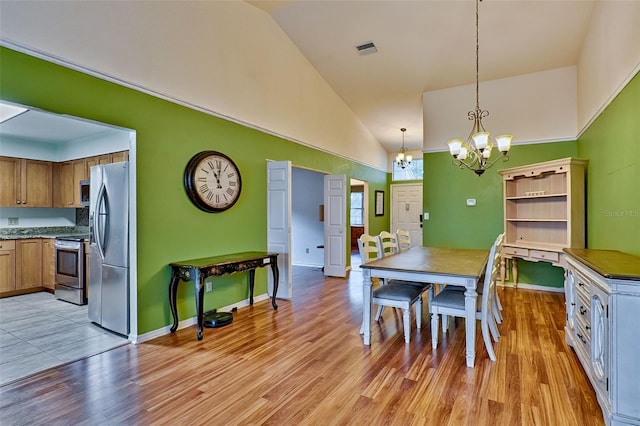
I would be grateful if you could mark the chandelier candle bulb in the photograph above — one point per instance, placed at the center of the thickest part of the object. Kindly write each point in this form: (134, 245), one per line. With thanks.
(504, 142)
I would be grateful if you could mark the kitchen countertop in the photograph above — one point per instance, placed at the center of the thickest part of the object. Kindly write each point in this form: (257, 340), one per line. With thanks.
(42, 232)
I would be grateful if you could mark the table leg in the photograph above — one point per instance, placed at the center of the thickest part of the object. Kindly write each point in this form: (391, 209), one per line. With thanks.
(366, 306)
(514, 270)
(252, 278)
(470, 296)
(199, 293)
(173, 292)
(276, 278)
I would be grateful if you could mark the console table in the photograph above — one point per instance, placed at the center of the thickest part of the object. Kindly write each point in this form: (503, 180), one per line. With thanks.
(198, 270)
(602, 290)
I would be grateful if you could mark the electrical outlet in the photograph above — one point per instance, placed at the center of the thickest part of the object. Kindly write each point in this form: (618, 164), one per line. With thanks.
(207, 286)
(307, 250)
(13, 220)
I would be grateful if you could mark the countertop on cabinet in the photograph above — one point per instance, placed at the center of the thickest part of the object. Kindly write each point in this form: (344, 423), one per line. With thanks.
(53, 232)
(609, 263)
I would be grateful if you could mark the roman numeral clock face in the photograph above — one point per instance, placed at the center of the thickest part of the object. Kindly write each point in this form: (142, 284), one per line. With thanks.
(212, 181)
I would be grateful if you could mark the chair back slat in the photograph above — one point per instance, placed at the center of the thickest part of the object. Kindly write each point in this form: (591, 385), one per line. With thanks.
(387, 243)
(404, 239)
(368, 248)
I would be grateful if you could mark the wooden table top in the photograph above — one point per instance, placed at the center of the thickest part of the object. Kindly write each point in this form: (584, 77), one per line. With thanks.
(435, 260)
(223, 259)
(609, 263)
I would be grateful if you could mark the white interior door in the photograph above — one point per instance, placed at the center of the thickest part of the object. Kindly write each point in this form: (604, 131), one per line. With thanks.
(406, 210)
(279, 223)
(335, 225)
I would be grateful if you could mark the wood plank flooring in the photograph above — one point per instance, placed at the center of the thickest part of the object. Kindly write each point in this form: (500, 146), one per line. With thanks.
(306, 364)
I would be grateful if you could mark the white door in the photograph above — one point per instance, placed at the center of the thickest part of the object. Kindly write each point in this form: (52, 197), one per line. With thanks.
(279, 223)
(335, 225)
(406, 210)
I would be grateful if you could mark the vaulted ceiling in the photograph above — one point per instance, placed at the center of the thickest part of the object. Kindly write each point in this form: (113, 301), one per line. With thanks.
(425, 45)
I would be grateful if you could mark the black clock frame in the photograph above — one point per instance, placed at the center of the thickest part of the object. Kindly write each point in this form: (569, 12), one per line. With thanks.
(190, 184)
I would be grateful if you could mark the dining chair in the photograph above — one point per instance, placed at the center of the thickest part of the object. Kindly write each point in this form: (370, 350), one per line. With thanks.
(452, 303)
(404, 239)
(397, 294)
(388, 245)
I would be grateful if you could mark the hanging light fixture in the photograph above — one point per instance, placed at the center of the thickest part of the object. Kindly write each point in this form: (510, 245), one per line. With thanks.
(403, 159)
(475, 153)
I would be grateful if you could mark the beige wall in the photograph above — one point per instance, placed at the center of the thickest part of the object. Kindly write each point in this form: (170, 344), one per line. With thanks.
(224, 57)
(535, 107)
(610, 56)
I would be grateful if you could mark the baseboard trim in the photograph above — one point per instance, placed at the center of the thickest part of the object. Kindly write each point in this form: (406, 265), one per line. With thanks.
(535, 287)
(193, 320)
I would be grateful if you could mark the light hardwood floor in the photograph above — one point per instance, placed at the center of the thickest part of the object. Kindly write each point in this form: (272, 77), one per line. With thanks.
(306, 364)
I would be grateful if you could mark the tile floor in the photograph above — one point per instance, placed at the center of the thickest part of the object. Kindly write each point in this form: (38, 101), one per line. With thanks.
(38, 331)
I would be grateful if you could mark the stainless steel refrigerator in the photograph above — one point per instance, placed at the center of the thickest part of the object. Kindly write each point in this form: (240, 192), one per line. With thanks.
(108, 284)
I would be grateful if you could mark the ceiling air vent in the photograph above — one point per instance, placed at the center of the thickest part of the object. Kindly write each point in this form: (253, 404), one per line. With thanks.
(366, 49)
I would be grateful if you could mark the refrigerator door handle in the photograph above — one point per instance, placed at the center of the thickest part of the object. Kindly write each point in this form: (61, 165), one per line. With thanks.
(99, 219)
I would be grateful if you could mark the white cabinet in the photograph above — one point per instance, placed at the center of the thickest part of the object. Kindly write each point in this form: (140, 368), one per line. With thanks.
(602, 290)
(544, 211)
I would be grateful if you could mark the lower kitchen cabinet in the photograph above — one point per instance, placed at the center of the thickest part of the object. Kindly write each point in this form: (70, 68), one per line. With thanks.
(49, 263)
(7, 265)
(28, 254)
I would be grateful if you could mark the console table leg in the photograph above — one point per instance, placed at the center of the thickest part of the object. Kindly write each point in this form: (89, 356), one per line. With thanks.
(514, 270)
(173, 292)
(276, 277)
(252, 277)
(199, 293)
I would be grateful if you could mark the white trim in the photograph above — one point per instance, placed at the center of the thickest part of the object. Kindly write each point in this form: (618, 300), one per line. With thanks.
(534, 142)
(535, 287)
(193, 320)
(95, 73)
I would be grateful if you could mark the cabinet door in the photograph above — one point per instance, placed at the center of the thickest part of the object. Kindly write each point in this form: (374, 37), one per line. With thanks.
(599, 337)
(48, 264)
(79, 174)
(117, 157)
(37, 179)
(63, 184)
(7, 266)
(28, 263)
(9, 181)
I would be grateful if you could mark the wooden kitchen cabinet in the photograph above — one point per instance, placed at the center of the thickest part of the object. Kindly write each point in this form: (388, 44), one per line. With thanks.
(117, 157)
(7, 266)
(63, 184)
(49, 263)
(25, 183)
(97, 160)
(544, 211)
(28, 254)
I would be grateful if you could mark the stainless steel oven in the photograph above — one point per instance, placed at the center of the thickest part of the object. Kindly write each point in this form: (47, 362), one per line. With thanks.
(70, 271)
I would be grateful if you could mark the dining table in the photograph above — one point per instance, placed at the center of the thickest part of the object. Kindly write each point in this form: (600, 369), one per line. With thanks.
(435, 265)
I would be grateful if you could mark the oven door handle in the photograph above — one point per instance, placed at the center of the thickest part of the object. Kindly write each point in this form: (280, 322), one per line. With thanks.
(100, 220)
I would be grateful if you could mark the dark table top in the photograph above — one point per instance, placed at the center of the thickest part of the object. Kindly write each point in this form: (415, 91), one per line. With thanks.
(608, 263)
(223, 259)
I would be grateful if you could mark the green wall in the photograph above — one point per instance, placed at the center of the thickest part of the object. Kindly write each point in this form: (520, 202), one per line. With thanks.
(453, 224)
(169, 227)
(612, 145)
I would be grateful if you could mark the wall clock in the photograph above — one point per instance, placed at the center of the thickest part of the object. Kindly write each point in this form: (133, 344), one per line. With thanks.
(212, 181)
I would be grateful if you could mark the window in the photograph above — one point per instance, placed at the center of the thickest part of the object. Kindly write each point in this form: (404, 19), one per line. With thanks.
(357, 208)
(413, 172)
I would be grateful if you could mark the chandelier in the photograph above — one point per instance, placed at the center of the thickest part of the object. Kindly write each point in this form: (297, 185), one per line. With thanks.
(475, 153)
(403, 159)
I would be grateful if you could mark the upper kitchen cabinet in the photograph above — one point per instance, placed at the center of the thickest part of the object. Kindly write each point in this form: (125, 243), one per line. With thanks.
(119, 156)
(25, 183)
(63, 184)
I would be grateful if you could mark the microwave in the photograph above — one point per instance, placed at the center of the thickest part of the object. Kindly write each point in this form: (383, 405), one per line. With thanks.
(84, 193)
